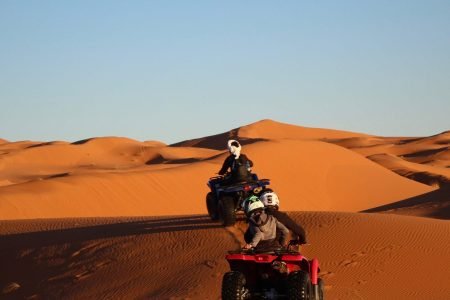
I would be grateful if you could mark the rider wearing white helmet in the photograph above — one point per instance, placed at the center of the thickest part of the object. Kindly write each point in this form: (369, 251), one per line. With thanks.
(262, 228)
(253, 208)
(270, 199)
(238, 163)
(247, 202)
(272, 204)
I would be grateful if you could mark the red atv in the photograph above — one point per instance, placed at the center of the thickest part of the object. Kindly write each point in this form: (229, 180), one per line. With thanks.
(281, 273)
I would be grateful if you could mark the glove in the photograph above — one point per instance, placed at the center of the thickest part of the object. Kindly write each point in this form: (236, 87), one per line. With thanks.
(247, 246)
(297, 242)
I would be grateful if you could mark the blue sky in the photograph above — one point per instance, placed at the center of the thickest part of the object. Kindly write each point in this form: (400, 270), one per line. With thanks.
(174, 70)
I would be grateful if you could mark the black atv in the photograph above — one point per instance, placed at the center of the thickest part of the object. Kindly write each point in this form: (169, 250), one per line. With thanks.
(225, 200)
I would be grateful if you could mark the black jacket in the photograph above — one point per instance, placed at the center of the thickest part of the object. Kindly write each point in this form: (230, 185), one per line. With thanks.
(239, 167)
(290, 224)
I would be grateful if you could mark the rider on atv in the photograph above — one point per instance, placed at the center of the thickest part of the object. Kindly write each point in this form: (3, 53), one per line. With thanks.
(262, 229)
(271, 204)
(238, 164)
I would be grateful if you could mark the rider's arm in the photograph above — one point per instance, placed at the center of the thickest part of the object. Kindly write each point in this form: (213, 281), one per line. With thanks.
(257, 237)
(247, 160)
(250, 162)
(292, 225)
(284, 233)
(225, 166)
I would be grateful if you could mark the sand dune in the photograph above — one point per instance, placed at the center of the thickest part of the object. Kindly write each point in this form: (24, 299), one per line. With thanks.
(177, 155)
(435, 204)
(8, 147)
(341, 182)
(115, 176)
(401, 146)
(363, 256)
(432, 151)
(266, 130)
(269, 129)
(428, 174)
(176, 252)
(25, 162)
(308, 175)
(424, 159)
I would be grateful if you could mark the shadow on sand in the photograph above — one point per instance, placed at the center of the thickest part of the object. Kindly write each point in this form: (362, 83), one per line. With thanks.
(93, 232)
(40, 265)
(438, 200)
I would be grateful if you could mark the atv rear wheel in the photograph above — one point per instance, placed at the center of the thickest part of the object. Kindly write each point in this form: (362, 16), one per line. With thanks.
(227, 213)
(299, 286)
(233, 286)
(211, 205)
(319, 295)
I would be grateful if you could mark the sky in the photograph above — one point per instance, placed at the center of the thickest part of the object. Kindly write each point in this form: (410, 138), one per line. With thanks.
(175, 70)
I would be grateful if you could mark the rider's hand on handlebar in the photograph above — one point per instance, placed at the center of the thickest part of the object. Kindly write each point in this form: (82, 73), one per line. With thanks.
(297, 242)
(247, 246)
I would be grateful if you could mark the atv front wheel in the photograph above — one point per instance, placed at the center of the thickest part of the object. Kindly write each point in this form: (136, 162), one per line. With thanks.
(299, 286)
(211, 205)
(233, 286)
(226, 211)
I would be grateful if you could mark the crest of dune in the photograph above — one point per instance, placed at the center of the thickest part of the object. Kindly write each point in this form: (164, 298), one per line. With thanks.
(269, 129)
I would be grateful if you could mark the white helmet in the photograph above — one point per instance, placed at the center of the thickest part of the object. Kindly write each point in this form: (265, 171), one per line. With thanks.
(234, 147)
(270, 199)
(248, 201)
(253, 206)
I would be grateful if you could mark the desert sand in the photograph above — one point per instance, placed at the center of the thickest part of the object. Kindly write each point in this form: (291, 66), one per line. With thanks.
(75, 215)
(424, 159)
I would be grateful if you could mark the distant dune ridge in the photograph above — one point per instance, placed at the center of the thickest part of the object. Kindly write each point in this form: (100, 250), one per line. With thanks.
(310, 168)
(73, 213)
(425, 159)
(113, 176)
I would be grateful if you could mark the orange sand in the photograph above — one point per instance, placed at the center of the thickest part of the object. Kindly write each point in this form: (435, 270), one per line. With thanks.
(363, 256)
(176, 252)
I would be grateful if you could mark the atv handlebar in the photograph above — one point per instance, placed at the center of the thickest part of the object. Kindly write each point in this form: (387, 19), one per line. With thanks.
(295, 243)
(217, 177)
(276, 250)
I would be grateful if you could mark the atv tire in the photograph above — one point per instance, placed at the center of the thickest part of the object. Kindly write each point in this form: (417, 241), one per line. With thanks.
(320, 289)
(233, 286)
(299, 286)
(211, 205)
(227, 214)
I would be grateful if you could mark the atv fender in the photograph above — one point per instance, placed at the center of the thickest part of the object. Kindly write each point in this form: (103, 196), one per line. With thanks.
(314, 270)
